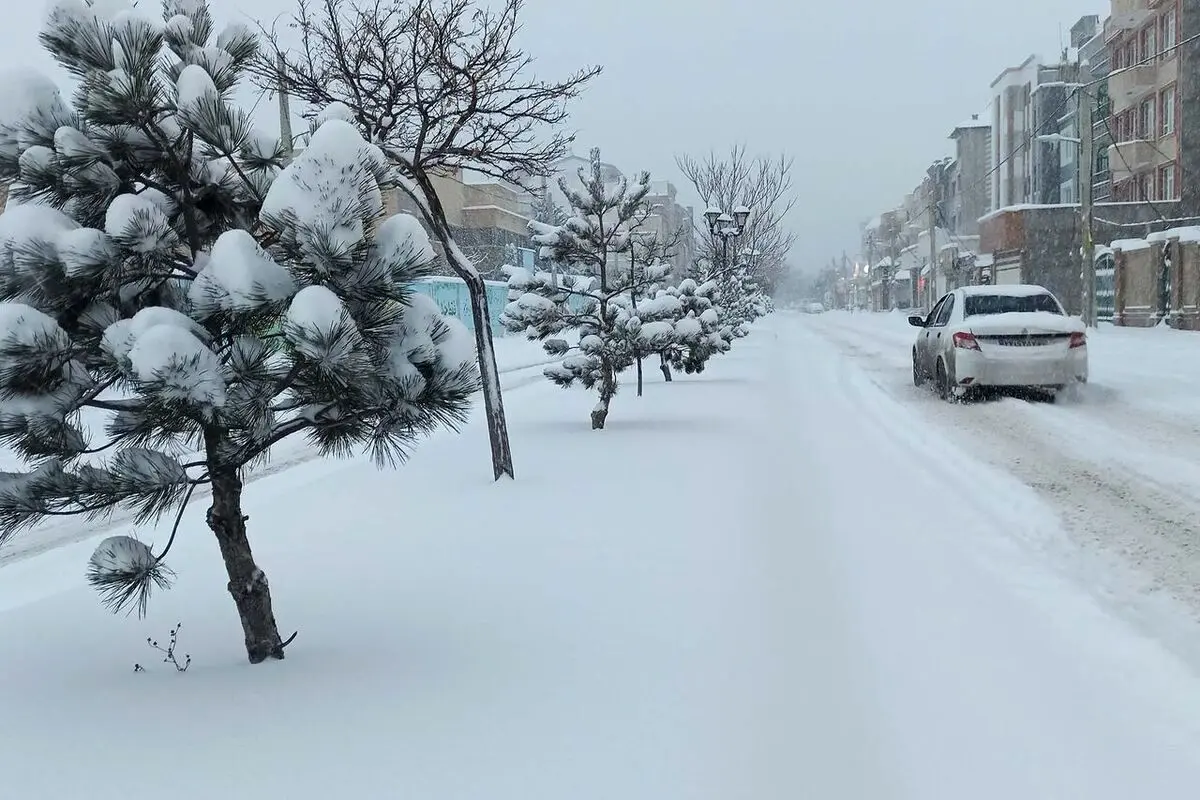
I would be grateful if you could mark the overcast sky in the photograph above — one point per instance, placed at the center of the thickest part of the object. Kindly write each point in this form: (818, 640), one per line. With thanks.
(862, 94)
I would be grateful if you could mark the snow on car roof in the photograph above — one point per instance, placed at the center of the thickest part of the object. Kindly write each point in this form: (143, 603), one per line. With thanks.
(1009, 290)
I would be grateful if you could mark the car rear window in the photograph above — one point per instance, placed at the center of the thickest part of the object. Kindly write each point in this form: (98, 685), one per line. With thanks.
(978, 305)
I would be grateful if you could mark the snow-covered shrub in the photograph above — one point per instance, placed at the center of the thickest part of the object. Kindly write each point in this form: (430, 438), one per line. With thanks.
(697, 330)
(739, 299)
(152, 239)
(596, 241)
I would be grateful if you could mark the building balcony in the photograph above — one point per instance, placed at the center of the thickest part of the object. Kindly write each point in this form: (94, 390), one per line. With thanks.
(1126, 16)
(1129, 85)
(1127, 159)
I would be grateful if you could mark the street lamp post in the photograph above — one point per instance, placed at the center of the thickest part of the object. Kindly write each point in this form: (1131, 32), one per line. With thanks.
(725, 227)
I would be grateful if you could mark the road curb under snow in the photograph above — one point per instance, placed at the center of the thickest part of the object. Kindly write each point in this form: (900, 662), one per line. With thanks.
(45, 538)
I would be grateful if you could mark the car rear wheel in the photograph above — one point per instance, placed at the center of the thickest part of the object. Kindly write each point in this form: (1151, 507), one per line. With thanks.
(944, 390)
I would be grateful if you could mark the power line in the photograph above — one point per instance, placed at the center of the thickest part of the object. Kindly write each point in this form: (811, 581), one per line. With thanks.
(1143, 62)
(1130, 170)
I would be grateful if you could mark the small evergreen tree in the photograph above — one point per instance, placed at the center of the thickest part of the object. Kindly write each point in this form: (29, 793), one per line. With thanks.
(697, 330)
(740, 299)
(596, 240)
(160, 270)
(546, 210)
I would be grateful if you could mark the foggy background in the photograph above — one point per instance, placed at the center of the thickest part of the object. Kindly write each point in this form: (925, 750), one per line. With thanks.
(863, 95)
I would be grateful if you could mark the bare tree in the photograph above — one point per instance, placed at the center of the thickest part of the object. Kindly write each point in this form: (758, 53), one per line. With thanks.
(764, 184)
(440, 85)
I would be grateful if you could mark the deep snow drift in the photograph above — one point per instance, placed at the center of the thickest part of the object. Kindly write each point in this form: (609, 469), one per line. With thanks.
(754, 584)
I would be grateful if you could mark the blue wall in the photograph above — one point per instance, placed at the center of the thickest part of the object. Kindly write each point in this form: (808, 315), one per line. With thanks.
(451, 296)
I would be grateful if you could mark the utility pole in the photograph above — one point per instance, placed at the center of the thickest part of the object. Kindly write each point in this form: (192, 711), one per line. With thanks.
(934, 267)
(1087, 160)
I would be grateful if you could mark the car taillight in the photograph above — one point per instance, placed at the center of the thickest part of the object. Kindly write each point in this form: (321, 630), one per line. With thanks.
(1078, 340)
(965, 341)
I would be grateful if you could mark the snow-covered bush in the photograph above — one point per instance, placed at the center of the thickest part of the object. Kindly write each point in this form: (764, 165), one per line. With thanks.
(152, 239)
(698, 331)
(739, 299)
(597, 241)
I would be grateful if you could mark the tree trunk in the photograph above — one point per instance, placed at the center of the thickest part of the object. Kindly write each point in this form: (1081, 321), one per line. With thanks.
(247, 583)
(493, 400)
(608, 388)
(493, 397)
(639, 374)
(665, 367)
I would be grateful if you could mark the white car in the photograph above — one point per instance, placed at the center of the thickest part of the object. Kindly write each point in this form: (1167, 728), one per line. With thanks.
(998, 336)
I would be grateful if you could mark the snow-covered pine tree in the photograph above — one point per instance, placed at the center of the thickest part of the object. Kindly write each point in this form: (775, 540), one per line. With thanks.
(739, 299)
(595, 240)
(697, 329)
(660, 309)
(546, 209)
(151, 242)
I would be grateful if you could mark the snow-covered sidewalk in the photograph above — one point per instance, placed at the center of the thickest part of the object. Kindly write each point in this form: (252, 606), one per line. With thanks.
(753, 584)
(519, 360)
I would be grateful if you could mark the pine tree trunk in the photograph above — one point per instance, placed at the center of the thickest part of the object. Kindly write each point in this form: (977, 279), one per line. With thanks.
(608, 388)
(665, 367)
(247, 583)
(639, 374)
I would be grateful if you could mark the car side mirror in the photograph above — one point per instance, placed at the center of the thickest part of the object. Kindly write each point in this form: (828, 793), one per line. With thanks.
(917, 321)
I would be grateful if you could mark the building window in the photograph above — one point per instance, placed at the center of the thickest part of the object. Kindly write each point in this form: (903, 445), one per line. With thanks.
(1166, 183)
(1127, 126)
(1146, 129)
(1145, 187)
(1167, 112)
(1168, 34)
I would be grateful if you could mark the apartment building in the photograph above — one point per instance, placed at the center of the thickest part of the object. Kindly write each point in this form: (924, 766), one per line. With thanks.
(970, 179)
(1012, 125)
(667, 218)
(1152, 82)
(1087, 35)
(489, 219)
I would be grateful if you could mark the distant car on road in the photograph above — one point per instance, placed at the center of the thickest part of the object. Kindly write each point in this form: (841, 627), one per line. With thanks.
(1015, 336)
(815, 308)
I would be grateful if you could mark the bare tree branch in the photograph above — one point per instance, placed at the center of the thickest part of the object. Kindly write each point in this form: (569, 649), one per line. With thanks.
(440, 83)
(761, 183)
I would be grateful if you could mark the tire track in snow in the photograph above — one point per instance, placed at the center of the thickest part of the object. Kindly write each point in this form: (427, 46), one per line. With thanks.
(1118, 509)
(45, 538)
(1162, 432)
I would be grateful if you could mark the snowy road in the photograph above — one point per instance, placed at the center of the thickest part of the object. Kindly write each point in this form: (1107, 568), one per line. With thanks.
(950, 653)
(1118, 461)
